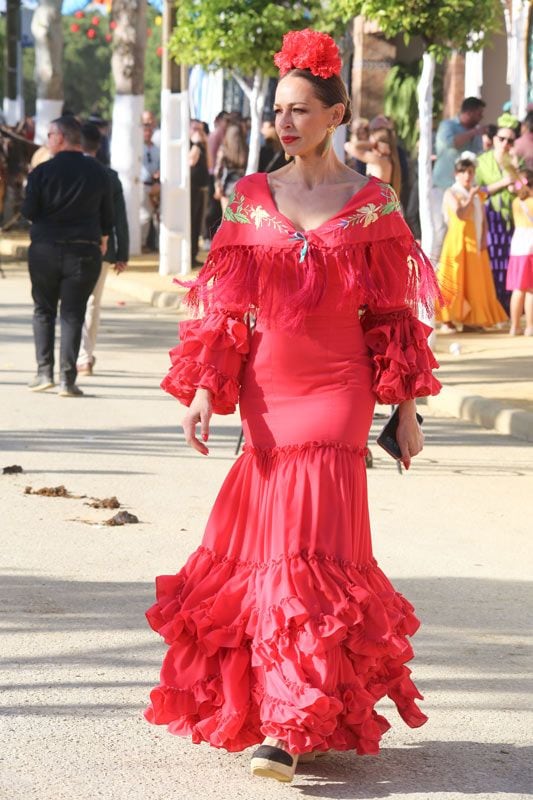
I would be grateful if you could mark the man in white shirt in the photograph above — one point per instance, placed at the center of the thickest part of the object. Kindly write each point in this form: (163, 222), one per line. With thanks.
(150, 173)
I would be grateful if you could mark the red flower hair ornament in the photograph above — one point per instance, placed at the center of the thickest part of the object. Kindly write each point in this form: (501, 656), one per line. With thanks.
(310, 50)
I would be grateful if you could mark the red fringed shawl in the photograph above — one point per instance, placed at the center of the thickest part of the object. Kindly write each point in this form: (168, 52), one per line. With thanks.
(260, 263)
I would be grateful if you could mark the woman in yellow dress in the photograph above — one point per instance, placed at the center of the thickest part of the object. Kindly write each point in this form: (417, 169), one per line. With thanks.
(464, 273)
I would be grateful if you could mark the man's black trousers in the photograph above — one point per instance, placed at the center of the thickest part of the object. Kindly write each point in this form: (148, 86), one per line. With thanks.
(63, 273)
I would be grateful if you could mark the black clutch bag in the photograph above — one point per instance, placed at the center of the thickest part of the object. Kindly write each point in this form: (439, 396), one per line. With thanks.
(387, 438)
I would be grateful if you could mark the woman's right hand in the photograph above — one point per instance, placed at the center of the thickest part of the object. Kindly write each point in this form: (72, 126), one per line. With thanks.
(200, 411)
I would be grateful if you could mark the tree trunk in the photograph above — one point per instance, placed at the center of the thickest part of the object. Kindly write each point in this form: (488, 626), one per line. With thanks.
(127, 62)
(425, 116)
(516, 25)
(12, 48)
(48, 35)
(256, 97)
(257, 104)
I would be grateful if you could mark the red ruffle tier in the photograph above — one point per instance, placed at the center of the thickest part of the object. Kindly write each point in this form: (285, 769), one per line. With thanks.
(299, 647)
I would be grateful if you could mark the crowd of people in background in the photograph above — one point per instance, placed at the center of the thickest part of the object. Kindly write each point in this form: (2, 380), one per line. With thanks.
(481, 200)
(481, 191)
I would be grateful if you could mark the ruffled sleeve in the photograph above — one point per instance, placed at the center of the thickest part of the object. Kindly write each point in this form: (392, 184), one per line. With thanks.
(210, 355)
(401, 357)
(401, 281)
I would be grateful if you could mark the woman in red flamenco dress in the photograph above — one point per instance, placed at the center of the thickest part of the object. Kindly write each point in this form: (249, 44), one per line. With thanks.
(281, 627)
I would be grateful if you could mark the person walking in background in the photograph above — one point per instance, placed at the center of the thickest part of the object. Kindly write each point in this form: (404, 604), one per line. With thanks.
(231, 162)
(69, 202)
(199, 185)
(117, 253)
(213, 215)
(359, 136)
(104, 149)
(464, 274)
(271, 154)
(520, 270)
(488, 137)
(380, 155)
(464, 132)
(150, 174)
(398, 151)
(496, 174)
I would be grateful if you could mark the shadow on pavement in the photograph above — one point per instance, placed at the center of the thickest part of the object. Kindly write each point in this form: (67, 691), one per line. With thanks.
(455, 768)
(472, 625)
(162, 441)
(474, 629)
(168, 441)
(517, 369)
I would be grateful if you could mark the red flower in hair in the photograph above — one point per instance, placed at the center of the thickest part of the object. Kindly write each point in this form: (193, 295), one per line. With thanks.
(310, 50)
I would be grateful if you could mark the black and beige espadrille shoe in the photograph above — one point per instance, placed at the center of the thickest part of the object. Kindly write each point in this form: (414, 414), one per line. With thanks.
(270, 760)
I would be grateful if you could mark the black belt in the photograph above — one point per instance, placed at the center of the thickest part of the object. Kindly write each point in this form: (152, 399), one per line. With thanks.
(78, 241)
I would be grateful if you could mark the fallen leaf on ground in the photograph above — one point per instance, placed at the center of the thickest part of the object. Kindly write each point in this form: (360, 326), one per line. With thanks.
(107, 502)
(122, 518)
(50, 491)
(12, 470)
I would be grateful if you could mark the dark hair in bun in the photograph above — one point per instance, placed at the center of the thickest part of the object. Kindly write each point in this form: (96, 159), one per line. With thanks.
(328, 90)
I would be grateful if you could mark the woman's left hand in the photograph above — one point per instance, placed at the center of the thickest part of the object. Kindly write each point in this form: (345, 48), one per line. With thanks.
(409, 433)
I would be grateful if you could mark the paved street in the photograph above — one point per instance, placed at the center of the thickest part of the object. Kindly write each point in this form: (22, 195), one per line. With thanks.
(79, 660)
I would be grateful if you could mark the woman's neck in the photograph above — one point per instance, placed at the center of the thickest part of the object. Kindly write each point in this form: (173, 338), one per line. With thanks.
(314, 170)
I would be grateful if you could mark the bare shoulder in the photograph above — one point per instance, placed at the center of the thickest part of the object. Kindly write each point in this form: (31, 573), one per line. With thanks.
(353, 180)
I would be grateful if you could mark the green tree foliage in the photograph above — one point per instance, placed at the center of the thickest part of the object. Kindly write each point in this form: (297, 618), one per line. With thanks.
(401, 101)
(87, 65)
(242, 36)
(443, 25)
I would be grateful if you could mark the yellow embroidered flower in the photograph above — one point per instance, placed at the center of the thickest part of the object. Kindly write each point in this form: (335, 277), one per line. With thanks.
(368, 214)
(258, 214)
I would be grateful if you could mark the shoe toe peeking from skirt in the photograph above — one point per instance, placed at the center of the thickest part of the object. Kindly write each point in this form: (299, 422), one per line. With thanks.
(272, 761)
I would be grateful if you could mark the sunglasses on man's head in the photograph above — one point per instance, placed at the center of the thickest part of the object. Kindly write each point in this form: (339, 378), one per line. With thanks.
(509, 140)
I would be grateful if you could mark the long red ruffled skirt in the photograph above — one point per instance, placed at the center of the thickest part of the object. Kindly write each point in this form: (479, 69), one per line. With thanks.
(282, 624)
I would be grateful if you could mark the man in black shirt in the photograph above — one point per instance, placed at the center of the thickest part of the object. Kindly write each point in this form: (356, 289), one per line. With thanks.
(69, 202)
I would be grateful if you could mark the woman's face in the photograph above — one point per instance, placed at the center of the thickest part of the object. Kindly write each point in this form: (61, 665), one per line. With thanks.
(504, 140)
(465, 178)
(301, 118)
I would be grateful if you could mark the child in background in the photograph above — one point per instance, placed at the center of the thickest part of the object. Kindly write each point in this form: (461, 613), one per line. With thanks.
(464, 273)
(520, 269)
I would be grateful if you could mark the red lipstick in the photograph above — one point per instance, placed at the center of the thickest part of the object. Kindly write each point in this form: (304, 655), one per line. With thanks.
(289, 139)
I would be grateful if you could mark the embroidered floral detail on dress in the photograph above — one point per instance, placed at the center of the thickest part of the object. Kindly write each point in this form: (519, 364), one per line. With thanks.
(259, 215)
(371, 212)
(238, 210)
